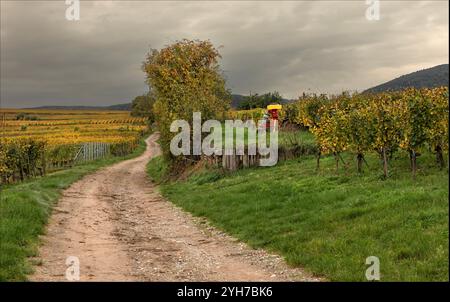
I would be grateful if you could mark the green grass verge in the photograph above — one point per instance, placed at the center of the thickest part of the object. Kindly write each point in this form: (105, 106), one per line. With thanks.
(286, 138)
(329, 223)
(158, 169)
(25, 209)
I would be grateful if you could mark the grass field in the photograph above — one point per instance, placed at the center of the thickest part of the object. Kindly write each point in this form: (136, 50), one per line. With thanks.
(328, 223)
(286, 138)
(25, 209)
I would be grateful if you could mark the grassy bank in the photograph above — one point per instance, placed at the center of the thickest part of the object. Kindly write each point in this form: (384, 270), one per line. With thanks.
(329, 223)
(25, 209)
(286, 138)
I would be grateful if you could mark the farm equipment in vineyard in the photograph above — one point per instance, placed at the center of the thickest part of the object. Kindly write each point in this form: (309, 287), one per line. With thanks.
(272, 110)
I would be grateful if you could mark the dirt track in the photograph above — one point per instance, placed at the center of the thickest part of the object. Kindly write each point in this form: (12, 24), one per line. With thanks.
(121, 229)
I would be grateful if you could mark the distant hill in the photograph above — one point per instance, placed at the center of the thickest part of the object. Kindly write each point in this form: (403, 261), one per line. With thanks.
(431, 77)
(236, 99)
(122, 107)
(119, 107)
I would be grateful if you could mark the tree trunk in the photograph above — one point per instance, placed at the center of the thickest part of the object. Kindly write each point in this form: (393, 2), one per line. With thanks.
(342, 160)
(21, 171)
(318, 160)
(413, 159)
(439, 157)
(410, 160)
(385, 164)
(359, 162)
(336, 159)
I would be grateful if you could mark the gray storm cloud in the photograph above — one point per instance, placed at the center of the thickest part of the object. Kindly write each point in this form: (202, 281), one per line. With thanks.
(292, 47)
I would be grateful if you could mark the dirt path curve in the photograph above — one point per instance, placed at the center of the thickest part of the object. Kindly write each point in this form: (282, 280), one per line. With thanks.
(121, 229)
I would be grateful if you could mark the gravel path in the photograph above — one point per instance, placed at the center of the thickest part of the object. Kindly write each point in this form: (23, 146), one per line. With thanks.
(121, 229)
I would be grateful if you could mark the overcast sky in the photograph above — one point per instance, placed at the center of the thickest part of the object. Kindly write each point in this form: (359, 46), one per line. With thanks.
(291, 47)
